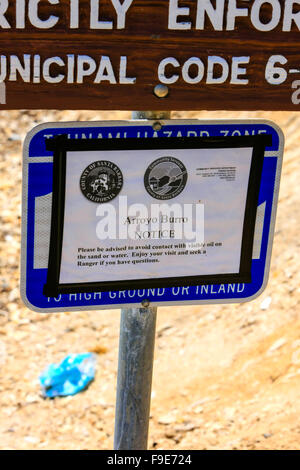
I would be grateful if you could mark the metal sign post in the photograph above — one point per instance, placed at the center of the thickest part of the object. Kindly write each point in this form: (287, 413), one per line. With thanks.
(136, 350)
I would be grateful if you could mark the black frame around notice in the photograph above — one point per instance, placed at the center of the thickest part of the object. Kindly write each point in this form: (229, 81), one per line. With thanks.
(60, 145)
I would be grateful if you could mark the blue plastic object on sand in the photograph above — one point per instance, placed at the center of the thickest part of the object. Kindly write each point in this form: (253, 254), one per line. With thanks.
(70, 376)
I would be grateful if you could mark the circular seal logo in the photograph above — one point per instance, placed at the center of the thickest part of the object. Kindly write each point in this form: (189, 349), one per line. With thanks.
(101, 181)
(165, 178)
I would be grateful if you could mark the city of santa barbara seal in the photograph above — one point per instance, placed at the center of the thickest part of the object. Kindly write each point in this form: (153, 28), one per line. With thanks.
(101, 181)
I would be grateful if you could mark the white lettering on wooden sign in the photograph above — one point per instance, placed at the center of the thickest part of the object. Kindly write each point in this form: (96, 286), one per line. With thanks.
(222, 15)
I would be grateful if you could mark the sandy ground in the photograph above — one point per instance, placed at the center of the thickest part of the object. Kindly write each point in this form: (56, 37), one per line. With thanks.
(225, 377)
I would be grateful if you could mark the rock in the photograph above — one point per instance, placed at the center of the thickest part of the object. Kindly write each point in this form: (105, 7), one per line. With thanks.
(3, 315)
(198, 409)
(170, 433)
(229, 413)
(162, 330)
(14, 295)
(15, 137)
(185, 427)
(31, 439)
(50, 342)
(32, 398)
(20, 335)
(277, 345)
(98, 349)
(203, 401)
(265, 304)
(167, 419)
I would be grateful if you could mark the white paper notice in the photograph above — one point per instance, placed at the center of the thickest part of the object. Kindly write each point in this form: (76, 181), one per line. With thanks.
(144, 214)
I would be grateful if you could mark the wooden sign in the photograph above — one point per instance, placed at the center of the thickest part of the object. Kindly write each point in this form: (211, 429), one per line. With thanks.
(112, 54)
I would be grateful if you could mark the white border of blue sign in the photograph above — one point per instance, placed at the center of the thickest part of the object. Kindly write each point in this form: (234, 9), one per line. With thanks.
(37, 180)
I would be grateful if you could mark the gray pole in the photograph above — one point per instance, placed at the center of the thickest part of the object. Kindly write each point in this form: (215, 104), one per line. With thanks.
(136, 349)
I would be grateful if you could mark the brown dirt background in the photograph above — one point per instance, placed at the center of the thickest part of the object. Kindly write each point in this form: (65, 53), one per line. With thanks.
(225, 376)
